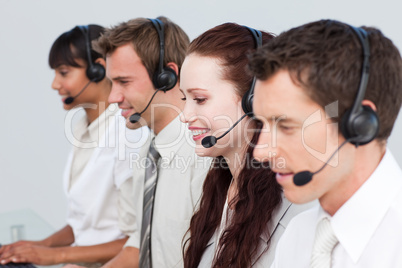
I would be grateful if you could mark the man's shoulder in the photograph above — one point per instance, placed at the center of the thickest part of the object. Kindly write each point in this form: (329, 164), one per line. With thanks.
(396, 206)
(187, 151)
(297, 238)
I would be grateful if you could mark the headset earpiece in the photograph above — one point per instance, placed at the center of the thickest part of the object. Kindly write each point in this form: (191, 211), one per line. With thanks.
(95, 71)
(164, 77)
(167, 79)
(362, 128)
(247, 100)
(360, 124)
(248, 97)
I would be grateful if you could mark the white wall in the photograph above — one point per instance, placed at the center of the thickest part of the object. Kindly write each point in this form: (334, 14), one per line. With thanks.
(32, 141)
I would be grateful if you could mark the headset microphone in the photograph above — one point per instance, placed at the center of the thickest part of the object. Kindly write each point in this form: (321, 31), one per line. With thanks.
(304, 177)
(70, 100)
(210, 141)
(134, 118)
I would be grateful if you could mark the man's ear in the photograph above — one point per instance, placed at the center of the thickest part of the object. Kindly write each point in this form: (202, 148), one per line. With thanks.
(174, 67)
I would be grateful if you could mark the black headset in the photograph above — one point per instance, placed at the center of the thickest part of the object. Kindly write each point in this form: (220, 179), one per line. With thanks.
(95, 71)
(247, 100)
(164, 78)
(360, 124)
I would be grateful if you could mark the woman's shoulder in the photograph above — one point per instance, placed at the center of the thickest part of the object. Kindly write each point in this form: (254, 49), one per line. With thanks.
(281, 217)
(295, 209)
(284, 213)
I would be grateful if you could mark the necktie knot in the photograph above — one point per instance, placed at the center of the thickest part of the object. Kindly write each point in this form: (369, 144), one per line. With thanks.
(153, 154)
(324, 242)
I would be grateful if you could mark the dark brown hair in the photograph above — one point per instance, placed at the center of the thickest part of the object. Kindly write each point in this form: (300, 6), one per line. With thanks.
(325, 59)
(258, 192)
(141, 33)
(71, 45)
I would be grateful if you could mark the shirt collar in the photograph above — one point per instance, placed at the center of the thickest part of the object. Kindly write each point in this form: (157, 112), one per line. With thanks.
(80, 127)
(171, 138)
(356, 221)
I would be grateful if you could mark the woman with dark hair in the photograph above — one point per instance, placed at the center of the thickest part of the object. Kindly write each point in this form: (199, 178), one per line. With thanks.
(98, 165)
(242, 211)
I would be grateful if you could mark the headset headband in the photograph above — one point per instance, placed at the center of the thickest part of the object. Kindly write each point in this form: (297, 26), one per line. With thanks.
(160, 28)
(363, 37)
(85, 31)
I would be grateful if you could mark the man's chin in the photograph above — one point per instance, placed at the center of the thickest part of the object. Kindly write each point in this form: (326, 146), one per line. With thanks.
(142, 122)
(298, 196)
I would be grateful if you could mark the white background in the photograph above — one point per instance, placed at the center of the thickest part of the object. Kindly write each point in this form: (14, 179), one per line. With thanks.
(32, 140)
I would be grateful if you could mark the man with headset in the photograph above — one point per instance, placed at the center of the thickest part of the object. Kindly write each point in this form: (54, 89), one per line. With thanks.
(143, 60)
(328, 95)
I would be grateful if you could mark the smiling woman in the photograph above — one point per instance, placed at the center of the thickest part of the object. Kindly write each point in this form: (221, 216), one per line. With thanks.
(242, 212)
(76, 67)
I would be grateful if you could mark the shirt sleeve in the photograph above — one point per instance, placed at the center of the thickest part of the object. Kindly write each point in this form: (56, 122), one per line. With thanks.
(130, 143)
(131, 198)
(133, 241)
(130, 212)
(126, 209)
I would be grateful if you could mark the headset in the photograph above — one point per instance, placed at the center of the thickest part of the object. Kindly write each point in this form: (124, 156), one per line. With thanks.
(164, 78)
(95, 71)
(360, 123)
(247, 100)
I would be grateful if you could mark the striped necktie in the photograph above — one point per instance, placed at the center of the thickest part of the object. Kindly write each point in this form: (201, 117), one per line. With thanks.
(324, 243)
(151, 177)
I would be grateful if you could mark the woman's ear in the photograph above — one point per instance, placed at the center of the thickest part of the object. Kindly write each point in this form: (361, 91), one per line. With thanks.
(101, 61)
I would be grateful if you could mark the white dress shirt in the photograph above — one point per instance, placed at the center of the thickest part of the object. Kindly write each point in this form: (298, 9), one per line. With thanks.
(368, 226)
(96, 168)
(181, 174)
(275, 228)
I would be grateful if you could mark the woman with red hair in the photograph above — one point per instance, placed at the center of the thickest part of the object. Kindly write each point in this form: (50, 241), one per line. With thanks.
(242, 211)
